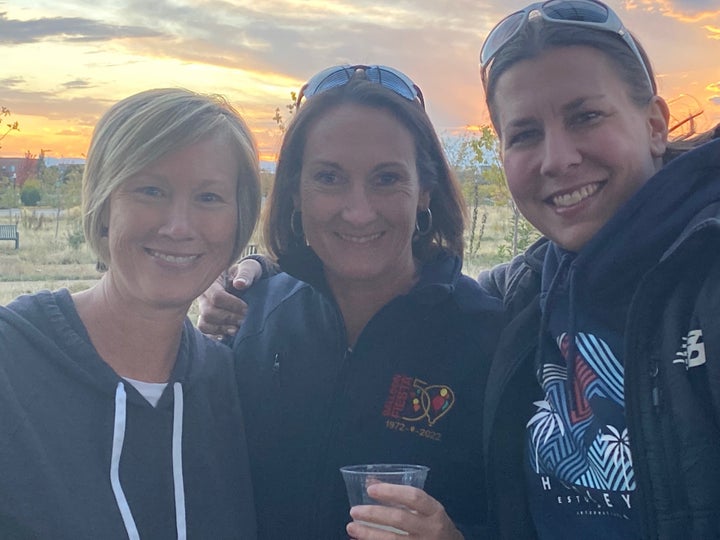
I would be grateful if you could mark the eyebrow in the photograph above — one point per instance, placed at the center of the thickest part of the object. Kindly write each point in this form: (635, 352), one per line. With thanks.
(579, 102)
(386, 164)
(573, 105)
(336, 165)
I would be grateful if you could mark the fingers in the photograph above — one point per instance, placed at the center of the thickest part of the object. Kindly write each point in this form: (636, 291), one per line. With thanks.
(375, 522)
(414, 511)
(245, 273)
(220, 311)
(413, 498)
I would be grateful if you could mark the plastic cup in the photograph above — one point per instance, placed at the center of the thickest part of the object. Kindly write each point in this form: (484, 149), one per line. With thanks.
(359, 477)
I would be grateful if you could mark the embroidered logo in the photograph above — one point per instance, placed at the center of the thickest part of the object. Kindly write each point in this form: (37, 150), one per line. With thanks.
(414, 400)
(692, 351)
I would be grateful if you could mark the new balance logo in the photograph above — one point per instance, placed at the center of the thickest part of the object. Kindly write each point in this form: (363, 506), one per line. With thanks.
(692, 352)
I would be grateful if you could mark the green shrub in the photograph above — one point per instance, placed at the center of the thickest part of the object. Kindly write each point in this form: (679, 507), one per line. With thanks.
(76, 236)
(30, 194)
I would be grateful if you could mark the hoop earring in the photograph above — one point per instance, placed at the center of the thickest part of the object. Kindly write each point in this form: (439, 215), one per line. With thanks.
(296, 225)
(423, 215)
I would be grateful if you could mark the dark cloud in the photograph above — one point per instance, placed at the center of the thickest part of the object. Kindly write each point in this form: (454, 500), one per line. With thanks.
(72, 29)
(274, 37)
(82, 111)
(12, 81)
(694, 7)
(77, 83)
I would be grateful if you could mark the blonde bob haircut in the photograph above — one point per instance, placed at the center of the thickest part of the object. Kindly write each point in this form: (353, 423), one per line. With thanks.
(139, 130)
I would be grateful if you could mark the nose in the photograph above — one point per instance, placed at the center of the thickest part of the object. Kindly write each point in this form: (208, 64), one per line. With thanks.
(358, 208)
(560, 152)
(177, 221)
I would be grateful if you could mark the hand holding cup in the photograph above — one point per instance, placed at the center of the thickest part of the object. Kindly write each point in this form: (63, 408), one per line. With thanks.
(388, 501)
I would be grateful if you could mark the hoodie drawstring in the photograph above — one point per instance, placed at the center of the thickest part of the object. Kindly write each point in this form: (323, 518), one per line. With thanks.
(177, 462)
(565, 267)
(572, 344)
(178, 482)
(118, 440)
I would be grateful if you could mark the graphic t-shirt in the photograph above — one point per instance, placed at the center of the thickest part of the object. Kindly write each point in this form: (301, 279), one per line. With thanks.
(578, 464)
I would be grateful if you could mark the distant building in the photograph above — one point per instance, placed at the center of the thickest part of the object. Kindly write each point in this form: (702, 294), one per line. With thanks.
(16, 169)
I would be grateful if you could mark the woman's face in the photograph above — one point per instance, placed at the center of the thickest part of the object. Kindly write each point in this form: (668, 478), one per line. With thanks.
(172, 226)
(359, 195)
(574, 145)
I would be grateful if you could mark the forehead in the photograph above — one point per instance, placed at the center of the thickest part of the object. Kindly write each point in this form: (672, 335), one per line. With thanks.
(359, 131)
(556, 76)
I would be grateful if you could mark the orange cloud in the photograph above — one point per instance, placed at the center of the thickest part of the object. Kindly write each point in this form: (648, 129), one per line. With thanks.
(669, 9)
(714, 31)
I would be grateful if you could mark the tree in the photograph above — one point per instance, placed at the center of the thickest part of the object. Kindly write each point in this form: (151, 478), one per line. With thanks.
(61, 189)
(27, 169)
(278, 118)
(478, 162)
(8, 126)
(468, 171)
(486, 147)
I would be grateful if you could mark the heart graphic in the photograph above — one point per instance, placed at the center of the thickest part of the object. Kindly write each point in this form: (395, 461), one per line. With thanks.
(429, 402)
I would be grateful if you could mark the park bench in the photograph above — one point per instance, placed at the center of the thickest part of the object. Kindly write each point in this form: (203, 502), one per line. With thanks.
(10, 232)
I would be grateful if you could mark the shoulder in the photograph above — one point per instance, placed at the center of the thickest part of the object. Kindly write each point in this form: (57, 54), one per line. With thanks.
(34, 313)
(471, 297)
(273, 290)
(518, 277)
(282, 299)
(204, 360)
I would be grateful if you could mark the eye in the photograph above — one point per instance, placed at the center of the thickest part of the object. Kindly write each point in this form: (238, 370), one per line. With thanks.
(524, 138)
(387, 179)
(584, 118)
(149, 191)
(210, 197)
(328, 178)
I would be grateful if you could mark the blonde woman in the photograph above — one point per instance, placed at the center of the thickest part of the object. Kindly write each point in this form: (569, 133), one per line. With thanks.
(117, 418)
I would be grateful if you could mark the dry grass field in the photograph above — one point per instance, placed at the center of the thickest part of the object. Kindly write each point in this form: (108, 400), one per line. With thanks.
(47, 259)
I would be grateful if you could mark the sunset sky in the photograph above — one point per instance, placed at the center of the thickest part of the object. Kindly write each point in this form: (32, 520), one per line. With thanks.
(64, 62)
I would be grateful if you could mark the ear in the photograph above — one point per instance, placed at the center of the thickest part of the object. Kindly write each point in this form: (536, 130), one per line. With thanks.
(104, 221)
(658, 120)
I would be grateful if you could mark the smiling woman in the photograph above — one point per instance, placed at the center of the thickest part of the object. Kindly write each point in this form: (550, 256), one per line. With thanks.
(608, 371)
(372, 346)
(124, 419)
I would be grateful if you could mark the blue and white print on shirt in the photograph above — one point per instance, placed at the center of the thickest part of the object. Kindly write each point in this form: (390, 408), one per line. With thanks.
(579, 466)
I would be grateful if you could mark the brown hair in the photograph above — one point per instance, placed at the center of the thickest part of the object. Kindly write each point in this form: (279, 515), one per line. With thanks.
(538, 36)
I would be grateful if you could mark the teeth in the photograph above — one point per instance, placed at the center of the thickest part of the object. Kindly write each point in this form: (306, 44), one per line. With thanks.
(174, 259)
(569, 199)
(360, 239)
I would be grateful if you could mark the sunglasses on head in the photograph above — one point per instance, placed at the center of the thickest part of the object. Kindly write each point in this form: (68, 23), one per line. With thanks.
(580, 13)
(336, 76)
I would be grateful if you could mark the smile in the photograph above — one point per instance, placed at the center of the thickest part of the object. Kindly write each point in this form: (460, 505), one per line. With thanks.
(174, 259)
(359, 239)
(572, 198)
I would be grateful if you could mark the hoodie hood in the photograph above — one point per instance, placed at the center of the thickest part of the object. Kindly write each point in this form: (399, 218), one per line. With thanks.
(50, 321)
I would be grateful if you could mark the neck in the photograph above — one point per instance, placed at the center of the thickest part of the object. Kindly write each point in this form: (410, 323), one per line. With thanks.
(136, 341)
(360, 300)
